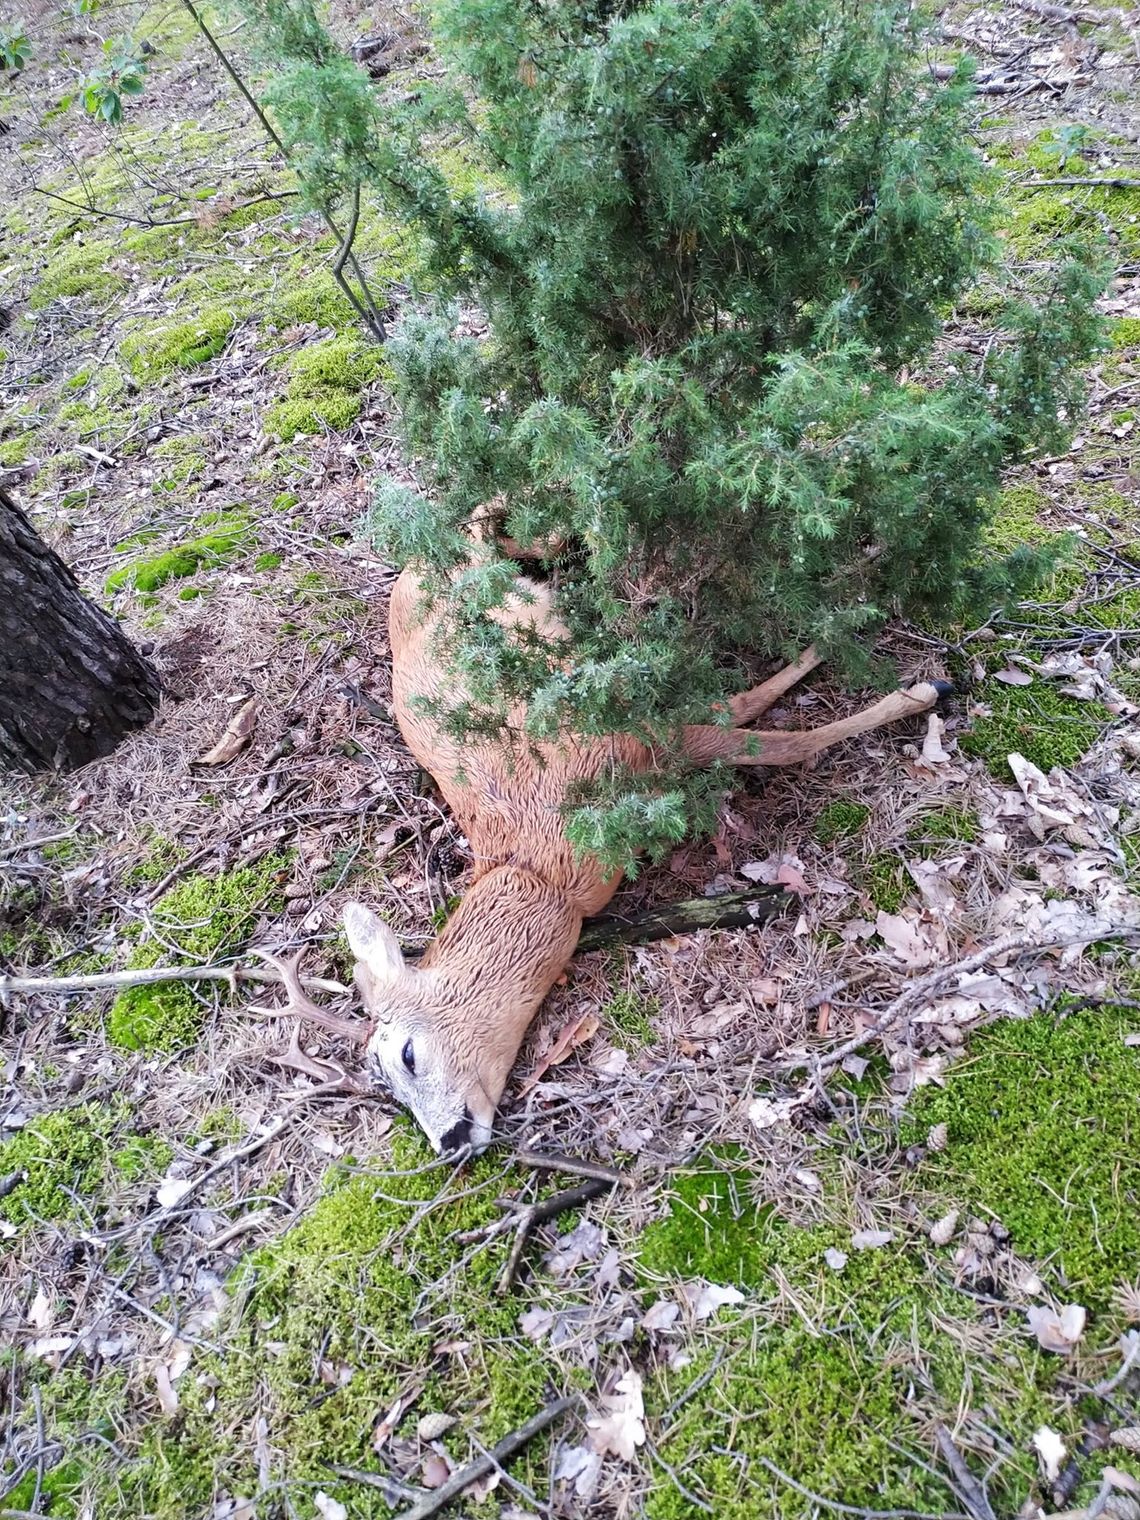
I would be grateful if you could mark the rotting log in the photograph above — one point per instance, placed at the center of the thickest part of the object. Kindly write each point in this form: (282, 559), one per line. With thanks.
(733, 910)
(72, 686)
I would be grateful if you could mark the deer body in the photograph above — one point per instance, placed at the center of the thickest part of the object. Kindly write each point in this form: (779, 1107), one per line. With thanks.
(446, 1032)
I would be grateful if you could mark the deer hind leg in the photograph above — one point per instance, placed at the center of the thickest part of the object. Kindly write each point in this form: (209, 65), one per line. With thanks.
(746, 706)
(704, 743)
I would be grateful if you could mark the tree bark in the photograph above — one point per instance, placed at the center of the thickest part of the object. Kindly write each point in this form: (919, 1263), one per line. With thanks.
(71, 685)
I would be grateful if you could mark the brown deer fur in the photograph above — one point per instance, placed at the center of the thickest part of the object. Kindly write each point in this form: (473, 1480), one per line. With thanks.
(447, 1030)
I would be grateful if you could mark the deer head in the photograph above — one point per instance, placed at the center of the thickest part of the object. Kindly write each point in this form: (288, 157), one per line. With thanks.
(427, 1046)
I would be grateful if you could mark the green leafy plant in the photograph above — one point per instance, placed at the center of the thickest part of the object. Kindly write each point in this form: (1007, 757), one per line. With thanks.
(122, 72)
(15, 49)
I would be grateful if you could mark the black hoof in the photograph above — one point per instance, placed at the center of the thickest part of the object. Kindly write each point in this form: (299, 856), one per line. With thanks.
(943, 688)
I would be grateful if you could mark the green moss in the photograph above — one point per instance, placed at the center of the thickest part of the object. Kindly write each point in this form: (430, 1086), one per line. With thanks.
(14, 451)
(315, 298)
(1019, 517)
(154, 349)
(1125, 332)
(629, 1018)
(80, 271)
(284, 501)
(58, 1154)
(1036, 218)
(884, 879)
(204, 916)
(944, 826)
(1036, 721)
(79, 380)
(268, 561)
(368, 1277)
(714, 1228)
(179, 459)
(830, 1372)
(230, 537)
(840, 820)
(142, 1156)
(329, 408)
(1042, 1135)
(324, 387)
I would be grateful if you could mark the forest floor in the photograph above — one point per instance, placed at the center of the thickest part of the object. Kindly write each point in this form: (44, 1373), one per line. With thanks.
(874, 1274)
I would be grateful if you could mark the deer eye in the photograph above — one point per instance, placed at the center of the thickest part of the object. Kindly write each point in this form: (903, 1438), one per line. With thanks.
(408, 1056)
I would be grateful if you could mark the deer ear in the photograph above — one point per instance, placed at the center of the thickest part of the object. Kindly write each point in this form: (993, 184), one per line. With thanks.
(372, 942)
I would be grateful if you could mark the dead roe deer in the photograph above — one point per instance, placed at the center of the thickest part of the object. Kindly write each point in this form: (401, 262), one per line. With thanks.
(443, 1033)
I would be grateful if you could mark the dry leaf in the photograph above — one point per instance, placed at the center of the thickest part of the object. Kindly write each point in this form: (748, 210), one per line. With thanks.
(576, 1033)
(907, 940)
(660, 1316)
(709, 1298)
(622, 1429)
(40, 1314)
(171, 1192)
(167, 1398)
(871, 1240)
(235, 736)
(938, 1137)
(435, 1470)
(1128, 1438)
(1051, 1452)
(1057, 1332)
(942, 1233)
(766, 1112)
(1013, 677)
(329, 1508)
(836, 1260)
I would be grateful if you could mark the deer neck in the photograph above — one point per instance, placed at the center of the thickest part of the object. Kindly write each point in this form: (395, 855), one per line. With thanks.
(503, 949)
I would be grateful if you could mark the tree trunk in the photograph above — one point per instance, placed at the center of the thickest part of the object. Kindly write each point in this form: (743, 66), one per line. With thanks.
(71, 685)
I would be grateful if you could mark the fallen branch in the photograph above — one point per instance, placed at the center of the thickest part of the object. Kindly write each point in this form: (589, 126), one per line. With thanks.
(537, 1213)
(146, 976)
(934, 981)
(501, 1452)
(735, 910)
(971, 1492)
(555, 1161)
(1092, 182)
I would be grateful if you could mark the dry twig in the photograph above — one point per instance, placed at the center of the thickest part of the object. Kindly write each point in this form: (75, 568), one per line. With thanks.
(501, 1452)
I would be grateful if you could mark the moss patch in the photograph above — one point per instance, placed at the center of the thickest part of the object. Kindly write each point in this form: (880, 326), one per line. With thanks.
(155, 349)
(324, 387)
(840, 819)
(1043, 1121)
(229, 537)
(366, 1286)
(65, 1159)
(629, 1018)
(81, 272)
(1019, 517)
(884, 879)
(1036, 721)
(204, 916)
(178, 460)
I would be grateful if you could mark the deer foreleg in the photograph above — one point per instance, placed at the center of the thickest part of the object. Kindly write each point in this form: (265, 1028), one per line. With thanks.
(748, 705)
(704, 743)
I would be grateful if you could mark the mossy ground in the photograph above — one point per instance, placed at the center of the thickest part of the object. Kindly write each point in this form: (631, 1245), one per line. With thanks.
(203, 917)
(229, 536)
(1036, 721)
(825, 1370)
(327, 1325)
(64, 1160)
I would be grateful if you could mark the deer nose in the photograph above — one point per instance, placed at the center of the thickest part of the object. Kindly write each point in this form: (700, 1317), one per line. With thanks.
(458, 1137)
